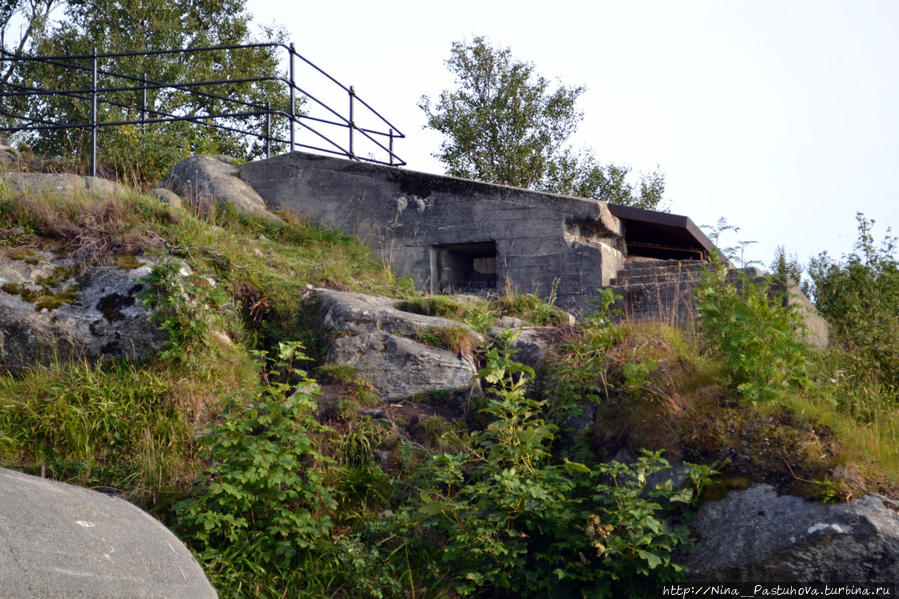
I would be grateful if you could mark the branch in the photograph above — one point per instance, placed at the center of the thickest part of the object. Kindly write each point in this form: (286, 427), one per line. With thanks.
(32, 21)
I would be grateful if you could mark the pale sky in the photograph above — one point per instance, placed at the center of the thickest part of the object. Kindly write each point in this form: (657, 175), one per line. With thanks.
(781, 116)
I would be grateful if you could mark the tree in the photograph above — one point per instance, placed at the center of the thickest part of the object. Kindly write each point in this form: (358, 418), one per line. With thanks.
(33, 13)
(504, 123)
(113, 26)
(859, 297)
(785, 267)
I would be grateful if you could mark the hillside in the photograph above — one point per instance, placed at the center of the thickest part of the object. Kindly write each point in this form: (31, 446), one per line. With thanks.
(288, 476)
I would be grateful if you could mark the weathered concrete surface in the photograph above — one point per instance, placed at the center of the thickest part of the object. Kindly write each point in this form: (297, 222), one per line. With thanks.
(665, 291)
(89, 313)
(66, 184)
(384, 345)
(58, 540)
(757, 535)
(818, 330)
(428, 226)
(204, 181)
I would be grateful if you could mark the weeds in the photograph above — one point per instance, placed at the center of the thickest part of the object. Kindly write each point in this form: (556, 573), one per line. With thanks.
(98, 426)
(481, 315)
(759, 341)
(263, 491)
(457, 339)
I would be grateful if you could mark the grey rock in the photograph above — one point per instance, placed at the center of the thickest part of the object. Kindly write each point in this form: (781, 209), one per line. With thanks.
(104, 318)
(166, 196)
(58, 540)
(381, 342)
(205, 180)
(532, 344)
(509, 322)
(36, 183)
(8, 156)
(678, 475)
(757, 535)
(399, 367)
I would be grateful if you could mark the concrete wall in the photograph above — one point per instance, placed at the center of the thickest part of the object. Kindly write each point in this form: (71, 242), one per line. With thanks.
(426, 226)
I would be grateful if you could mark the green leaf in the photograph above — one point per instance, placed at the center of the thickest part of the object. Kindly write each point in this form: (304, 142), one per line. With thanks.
(652, 560)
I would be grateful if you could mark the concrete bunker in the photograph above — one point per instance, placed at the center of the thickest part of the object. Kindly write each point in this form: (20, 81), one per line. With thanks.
(470, 237)
(661, 235)
(463, 267)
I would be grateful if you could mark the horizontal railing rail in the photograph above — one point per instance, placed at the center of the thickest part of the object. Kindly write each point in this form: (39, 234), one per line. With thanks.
(317, 121)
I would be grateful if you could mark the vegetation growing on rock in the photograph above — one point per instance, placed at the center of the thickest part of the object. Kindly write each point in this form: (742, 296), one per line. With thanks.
(286, 488)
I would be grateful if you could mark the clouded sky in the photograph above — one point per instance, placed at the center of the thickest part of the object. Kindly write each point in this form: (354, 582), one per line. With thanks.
(781, 116)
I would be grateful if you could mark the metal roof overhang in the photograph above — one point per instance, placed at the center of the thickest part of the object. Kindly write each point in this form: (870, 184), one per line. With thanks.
(661, 235)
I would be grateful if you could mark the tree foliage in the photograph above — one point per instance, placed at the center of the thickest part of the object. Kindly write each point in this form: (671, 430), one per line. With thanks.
(859, 296)
(785, 266)
(113, 26)
(33, 13)
(504, 123)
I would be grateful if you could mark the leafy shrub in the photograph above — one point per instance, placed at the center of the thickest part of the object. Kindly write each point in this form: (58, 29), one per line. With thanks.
(186, 306)
(507, 519)
(143, 158)
(859, 297)
(759, 341)
(262, 505)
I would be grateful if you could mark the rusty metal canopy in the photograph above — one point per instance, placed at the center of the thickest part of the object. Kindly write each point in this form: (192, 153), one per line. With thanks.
(661, 234)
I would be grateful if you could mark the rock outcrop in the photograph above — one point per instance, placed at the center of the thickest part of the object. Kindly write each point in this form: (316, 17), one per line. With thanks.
(388, 346)
(52, 308)
(758, 535)
(8, 155)
(403, 354)
(61, 184)
(206, 180)
(532, 343)
(58, 540)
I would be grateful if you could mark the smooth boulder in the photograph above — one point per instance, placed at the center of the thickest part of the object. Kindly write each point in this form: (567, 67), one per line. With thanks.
(58, 540)
(758, 535)
(204, 181)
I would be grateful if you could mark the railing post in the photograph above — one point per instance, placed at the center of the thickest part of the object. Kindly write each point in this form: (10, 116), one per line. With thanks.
(94, 113)
(352, 124)
(390, 146)
(268, 130)
(292, 112)
(143, 103)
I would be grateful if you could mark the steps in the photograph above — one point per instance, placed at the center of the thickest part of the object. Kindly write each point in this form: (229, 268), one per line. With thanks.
(660, 271)
(660, 290)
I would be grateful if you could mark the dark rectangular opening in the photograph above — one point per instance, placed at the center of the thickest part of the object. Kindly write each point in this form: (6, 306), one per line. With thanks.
(465, 267)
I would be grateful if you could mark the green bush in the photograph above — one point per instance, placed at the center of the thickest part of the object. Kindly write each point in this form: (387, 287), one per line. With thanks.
(505, 518)
(859, 297)
(187, 308)
(758, 340)
(262, 506)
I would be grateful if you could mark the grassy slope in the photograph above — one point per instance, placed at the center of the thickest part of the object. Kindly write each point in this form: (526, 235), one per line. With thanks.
(133, 428)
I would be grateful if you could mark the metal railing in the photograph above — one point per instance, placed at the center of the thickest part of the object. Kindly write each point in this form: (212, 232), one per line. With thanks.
(311, 128)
